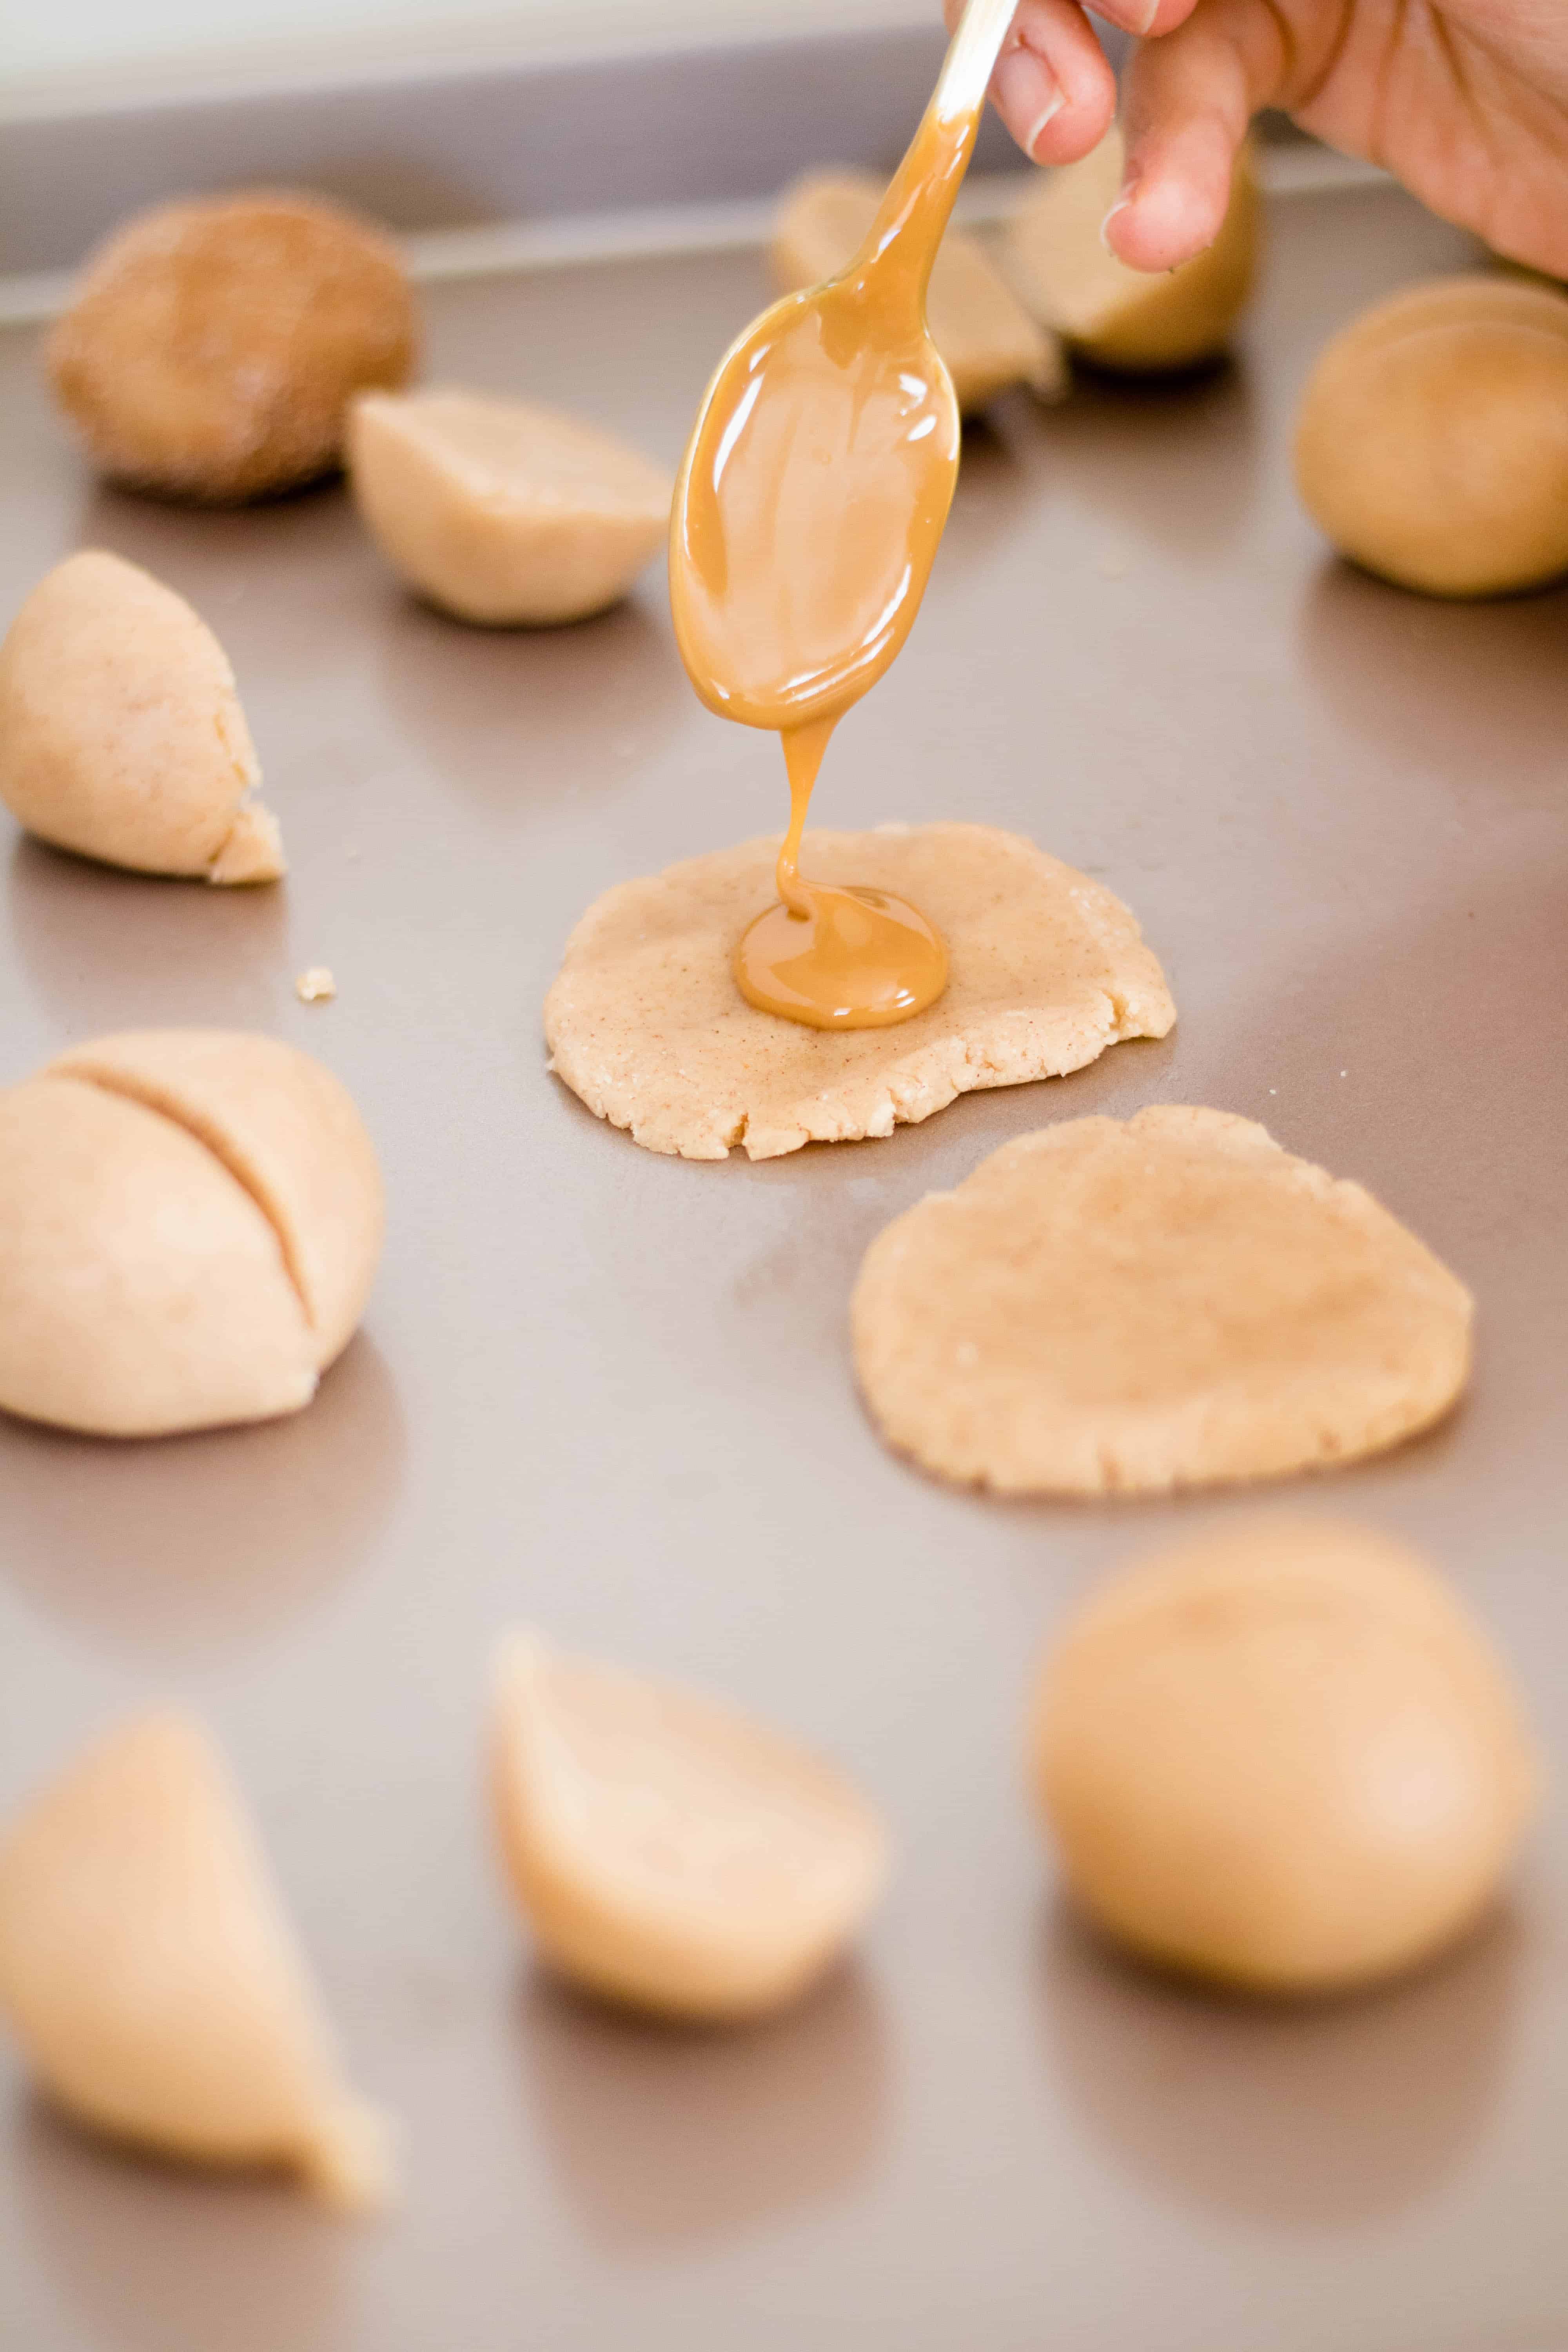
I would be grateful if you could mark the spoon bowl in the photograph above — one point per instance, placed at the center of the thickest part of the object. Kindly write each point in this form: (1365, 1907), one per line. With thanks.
(819, 473)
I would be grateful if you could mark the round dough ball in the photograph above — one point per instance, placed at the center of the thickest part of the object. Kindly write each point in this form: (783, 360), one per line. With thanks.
(502, 513)
(1110, 1307)
(1281, 1755)
(1432, 439)
(667, 1852)
(986, 337)
(190, 1221)
(1130, 321)
(151, 1977)
(121, 736)
(213, 345)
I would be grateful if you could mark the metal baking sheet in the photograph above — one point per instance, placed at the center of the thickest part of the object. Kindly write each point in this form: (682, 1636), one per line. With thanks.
(611, 1393)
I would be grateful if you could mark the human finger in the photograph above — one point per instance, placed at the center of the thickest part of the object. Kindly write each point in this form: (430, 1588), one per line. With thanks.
(1188, 99)
(1053, 85)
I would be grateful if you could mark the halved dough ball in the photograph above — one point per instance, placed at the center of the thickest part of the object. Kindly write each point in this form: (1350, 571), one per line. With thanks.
(668, 1851)
(1121, 319)
(150, 1975)
(121, 736)
(213, 345)
(190, 1221)
(646, 1023)
(1281, 1755)
(982, 332)
(1110, 1307)
(500, 512)
(1432, 439)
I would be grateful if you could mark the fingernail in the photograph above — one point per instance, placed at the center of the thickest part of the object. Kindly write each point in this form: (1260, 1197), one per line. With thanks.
(1150, 13)
(1122, 200)
(1028, 95)
(1052, 107)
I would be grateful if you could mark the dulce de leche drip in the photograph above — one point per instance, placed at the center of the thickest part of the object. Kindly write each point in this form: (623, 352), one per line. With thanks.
(807, 515)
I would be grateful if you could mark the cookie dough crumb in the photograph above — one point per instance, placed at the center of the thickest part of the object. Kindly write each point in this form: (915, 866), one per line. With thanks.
(316, 985)
(252, 852)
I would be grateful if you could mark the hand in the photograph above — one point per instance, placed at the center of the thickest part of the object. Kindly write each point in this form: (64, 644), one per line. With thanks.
(1466, 102)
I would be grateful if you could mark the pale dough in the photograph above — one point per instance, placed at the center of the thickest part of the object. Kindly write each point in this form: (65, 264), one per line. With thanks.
(645, 1021)
(503, 513)
(1432, 439)
(1109, 1306)
(213, 345)
(986, 336)
(190, 1221)
(1281, 1755)
(667, 1850)
(1133, 321)
(151, 1977)
(121, 736)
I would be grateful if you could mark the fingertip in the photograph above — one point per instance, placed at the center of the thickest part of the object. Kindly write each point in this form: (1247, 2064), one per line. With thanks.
(1159, 223)
(1076, 129)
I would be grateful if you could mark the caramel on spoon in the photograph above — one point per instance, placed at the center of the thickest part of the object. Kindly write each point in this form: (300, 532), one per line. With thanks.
(807, 512)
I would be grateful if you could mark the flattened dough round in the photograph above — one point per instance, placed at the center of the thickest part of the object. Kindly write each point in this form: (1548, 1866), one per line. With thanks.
(1124, 1306)
(646, 1023)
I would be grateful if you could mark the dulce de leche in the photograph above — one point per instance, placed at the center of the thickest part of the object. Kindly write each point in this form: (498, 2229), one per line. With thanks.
(807, 514)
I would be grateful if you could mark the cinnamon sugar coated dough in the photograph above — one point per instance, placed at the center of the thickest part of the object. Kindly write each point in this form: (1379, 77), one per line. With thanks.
(668, 1851)
(1109, 1306)
(645, 1021)
(190, 1221)
(151, 1978)
(213, 345)
(986, 336)
(502, 513)
(121, 736)
(1282, 1756)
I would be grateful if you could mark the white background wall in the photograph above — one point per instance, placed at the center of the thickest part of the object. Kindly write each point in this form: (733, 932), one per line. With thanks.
(67, 37)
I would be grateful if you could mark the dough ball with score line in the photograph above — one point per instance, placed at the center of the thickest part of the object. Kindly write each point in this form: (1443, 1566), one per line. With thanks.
(190, 1222)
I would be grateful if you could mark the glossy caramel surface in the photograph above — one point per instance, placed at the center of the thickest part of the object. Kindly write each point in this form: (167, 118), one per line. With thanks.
(807, 516)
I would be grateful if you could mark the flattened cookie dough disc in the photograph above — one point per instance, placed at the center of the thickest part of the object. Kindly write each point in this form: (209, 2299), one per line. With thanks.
(646, 1023)
(1110, 1307)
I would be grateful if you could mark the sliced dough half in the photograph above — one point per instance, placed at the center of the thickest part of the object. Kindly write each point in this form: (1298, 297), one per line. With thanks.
(1133, 321)
(646, 1023)
(668, 1851)
(500, 512)
(152, 1979)
(977, 322)
(122, 735)
(1109, 1306)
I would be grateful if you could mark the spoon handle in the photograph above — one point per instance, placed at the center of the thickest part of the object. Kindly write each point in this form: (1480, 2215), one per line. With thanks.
(972, 57)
